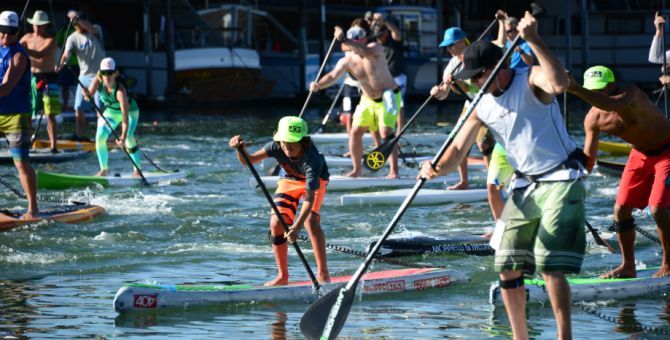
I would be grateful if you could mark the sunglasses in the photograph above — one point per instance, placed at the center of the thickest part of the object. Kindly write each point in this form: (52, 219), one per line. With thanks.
(477, 76)
(106, 73)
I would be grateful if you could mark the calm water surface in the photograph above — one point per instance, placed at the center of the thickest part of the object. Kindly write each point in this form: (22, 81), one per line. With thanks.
(58, 280)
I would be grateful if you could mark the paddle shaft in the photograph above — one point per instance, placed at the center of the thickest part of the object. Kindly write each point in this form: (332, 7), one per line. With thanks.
(25, 8)
(332, 105)
(665, 71)
(243, 152)
(318, 75)
(109, 125)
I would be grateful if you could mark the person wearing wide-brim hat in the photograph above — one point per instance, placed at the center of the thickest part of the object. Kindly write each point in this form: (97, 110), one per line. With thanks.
(628, 113)
(304, 173)
(542, 225)
(15, 105)
(41, 47)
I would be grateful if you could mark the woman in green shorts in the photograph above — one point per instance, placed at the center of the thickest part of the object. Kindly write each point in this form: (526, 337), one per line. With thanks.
(119, 108)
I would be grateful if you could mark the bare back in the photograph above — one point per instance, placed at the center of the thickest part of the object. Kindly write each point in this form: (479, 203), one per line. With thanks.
(372, 72)
(42, 52)
(639, 123)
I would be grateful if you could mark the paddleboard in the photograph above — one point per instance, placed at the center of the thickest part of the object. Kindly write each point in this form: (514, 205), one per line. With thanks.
(66, 213)
(424, 197)
(356, 183)
(423, 244)
(610, 168)
(614, 148)
(45, 156)
(63, 144)
(592, 288)
(338, 162)
(52, 180)
(151, 297)
(414, 138)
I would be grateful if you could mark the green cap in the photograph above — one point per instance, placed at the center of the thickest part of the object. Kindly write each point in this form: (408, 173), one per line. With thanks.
(291, 129)
(597, 77)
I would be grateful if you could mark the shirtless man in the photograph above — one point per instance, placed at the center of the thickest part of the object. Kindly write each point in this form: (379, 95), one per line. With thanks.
(41, 49)
(626, 112)
(368, 64)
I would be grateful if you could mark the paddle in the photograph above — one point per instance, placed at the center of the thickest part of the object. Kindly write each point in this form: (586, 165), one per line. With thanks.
(318, 75)
(332, 105)
(116, 136)
(597, 238)
(316, 285)
(665, 71)
(375, 159)
(325, 318)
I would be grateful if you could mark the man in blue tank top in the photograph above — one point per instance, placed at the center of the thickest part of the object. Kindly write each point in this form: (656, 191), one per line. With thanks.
(15, 104)
(542, 223)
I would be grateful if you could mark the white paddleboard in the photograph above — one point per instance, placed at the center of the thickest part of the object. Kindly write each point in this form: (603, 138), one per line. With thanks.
(357, 183)
(425, 196)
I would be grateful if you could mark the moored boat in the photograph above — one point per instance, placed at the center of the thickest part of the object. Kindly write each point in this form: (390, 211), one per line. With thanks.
(52, 180)
(151, 297)
(67, 213)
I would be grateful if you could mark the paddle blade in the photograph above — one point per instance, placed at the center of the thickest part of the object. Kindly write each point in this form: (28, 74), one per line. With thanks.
(325, 318)
(376, 159)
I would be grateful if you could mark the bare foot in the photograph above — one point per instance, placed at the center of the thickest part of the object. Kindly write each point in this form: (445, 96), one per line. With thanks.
(664, 271)
(29, 216)
(347, 154)
(620, 272)
(323, 278)
(278, 281)
(101, 173)
(136, 174)
(353, 173)
(487, 235)
(392, 176)
(458, 186)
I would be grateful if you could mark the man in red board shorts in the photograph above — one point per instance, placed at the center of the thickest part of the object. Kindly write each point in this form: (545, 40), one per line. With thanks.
(628, 113)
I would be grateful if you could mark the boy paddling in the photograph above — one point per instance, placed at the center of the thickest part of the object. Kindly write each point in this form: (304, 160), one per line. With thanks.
(304, 173)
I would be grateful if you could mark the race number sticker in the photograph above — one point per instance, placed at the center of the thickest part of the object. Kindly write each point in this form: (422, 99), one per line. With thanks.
(145, 300)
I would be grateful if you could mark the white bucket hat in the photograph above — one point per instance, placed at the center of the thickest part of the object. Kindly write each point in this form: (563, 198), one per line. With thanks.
(39, 18)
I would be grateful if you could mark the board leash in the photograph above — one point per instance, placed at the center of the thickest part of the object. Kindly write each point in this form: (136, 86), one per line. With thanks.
(615, 320)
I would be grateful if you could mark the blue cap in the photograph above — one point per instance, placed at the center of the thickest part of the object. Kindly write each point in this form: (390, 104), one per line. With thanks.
(452, 35)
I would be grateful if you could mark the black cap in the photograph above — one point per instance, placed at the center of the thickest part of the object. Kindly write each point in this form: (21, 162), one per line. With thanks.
(477, 57)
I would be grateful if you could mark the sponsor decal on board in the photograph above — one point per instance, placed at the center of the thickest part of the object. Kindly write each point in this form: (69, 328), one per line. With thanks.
(387, 286)
(145, 300)
(433, 282)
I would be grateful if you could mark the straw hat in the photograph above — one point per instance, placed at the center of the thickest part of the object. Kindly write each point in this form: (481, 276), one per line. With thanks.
(39, 18)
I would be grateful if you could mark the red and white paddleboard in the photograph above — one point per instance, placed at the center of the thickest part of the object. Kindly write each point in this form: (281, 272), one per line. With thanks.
(149, 296)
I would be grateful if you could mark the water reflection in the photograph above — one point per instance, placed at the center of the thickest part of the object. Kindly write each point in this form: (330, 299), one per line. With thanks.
(17, 311)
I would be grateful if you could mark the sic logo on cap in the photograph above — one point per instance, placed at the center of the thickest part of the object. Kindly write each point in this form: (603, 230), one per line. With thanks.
(295, 129)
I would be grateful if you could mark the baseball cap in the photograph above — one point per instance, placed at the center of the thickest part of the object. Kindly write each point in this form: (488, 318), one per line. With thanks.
(9, 22)
(356, 33)
(597, 77)
(477, 57)
(368, 15)
(451, 36)
(290, 129)
(39, 18)
(107, 64)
